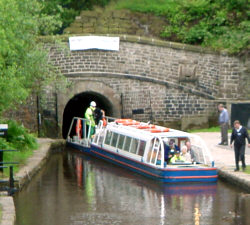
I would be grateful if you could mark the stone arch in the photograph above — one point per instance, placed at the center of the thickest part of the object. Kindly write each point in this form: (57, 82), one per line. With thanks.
(82, 93)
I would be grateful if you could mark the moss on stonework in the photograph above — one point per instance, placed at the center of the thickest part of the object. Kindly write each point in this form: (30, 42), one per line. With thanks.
(107, 20)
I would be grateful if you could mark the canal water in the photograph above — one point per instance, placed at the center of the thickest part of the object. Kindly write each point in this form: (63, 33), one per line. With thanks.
(75, 189)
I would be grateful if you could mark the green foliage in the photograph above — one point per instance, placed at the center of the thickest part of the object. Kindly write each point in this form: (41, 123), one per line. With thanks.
(18, 138)
(24, 64)
(66, 10)
(210, 129)
(247, 170)
(220, 24)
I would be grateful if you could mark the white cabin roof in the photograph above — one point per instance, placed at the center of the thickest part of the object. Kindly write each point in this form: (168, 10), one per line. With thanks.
(133, 131)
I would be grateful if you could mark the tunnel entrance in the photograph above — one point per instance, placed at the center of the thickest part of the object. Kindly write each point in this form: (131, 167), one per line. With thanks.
(77, 106)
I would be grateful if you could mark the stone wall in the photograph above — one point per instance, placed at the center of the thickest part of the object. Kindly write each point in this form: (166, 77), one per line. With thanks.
(147, 79)
(212, 75)
(159, 81)
(109, 21)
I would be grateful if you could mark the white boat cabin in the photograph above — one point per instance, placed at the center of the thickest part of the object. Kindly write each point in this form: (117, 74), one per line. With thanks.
(145, 143)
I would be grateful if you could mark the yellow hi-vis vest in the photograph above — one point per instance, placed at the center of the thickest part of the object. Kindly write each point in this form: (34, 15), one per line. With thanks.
(89, 115)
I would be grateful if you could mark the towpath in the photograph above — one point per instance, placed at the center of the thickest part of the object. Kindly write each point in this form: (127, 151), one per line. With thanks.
(224, 160)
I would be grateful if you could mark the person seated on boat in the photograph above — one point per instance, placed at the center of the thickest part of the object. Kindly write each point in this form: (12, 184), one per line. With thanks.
(169, 150)
(190, 151)
(177, 157)
(89, 115)
(186, 155)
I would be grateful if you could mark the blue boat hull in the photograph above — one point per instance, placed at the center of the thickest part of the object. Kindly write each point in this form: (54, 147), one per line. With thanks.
(168, 174)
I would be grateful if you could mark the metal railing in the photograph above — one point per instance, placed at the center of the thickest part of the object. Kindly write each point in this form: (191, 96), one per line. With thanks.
(83, 136)
(10, 188)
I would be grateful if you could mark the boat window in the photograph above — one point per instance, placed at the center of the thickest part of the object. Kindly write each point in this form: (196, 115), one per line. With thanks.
(121, 141)
(114, 139)
(127, 143)
(134, 145)
(95, 138)
(152, 154)
(141, 149)
(158, 160)
(101, 137)
(108, 137)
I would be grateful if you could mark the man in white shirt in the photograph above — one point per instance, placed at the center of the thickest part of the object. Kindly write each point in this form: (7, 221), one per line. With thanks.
(223, 121)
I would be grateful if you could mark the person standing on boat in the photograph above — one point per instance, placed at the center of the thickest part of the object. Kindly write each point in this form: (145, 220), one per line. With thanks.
(223, 121)
(89, 115)
(99, 114)
(239, 135)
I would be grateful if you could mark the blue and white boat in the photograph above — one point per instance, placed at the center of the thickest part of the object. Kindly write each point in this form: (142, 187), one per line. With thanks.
(139, 147)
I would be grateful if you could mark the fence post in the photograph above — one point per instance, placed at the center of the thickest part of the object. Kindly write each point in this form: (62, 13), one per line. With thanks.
(1, 161)
(11, 180)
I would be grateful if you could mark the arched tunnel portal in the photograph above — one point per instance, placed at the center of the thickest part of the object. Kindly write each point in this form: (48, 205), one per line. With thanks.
(78, 104)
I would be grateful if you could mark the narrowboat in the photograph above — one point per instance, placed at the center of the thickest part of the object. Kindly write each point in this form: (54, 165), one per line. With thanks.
(143, 148)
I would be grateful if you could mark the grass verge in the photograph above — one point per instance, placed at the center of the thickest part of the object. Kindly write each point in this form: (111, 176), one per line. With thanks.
(18, 138)
(211, 129)
(247, 170)
(220, 24)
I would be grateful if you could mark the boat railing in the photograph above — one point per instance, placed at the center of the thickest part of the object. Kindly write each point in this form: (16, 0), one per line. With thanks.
(201, 152)
(81, 134)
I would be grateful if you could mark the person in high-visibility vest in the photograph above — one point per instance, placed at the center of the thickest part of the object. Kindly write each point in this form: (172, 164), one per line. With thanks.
(89, 115)
(177, 157)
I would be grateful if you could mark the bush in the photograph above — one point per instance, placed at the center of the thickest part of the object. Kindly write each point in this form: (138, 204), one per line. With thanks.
(18, 138)
(66, 11)
(220, 24)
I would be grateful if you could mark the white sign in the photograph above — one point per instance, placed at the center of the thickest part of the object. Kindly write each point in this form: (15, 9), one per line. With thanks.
(94, 42)
(3, 126)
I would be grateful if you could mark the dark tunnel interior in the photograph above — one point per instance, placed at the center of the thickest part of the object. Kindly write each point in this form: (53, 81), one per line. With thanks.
(77, 106)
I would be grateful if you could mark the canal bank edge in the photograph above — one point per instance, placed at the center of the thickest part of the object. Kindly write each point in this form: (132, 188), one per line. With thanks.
(40, 156)
(25, 174)
(239, 179)
(37, 160)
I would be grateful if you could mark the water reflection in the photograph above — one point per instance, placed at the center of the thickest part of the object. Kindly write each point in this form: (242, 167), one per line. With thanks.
(77, 189)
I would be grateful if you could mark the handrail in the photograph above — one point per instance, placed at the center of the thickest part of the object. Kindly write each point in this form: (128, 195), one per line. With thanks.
(9, 150)
(82, 119)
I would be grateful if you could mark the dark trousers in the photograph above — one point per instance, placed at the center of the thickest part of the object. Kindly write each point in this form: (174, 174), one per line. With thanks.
(224, 133)
(239, 152)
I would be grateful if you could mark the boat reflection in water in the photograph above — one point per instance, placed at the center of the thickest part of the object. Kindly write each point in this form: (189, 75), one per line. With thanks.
(74, 189)
(143, 200)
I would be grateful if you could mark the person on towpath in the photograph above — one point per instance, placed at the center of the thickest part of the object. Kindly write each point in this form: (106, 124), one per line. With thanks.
(239, 136)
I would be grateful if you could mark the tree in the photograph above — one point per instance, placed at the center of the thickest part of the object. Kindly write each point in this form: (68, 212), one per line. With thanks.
(24, 64)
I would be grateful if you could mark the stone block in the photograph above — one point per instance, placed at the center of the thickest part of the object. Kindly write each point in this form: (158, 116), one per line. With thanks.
(194, 122)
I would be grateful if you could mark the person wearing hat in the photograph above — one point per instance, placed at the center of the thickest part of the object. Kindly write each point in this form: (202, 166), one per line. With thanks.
(169, 149)
(177, 157)
(89, 115)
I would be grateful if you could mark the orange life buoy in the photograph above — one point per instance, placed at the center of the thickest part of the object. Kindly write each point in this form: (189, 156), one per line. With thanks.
(104, 121)
(146, 126)
(159, 130)
(79, 128)
(123, 120)
(127, 122)
(132, 123)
